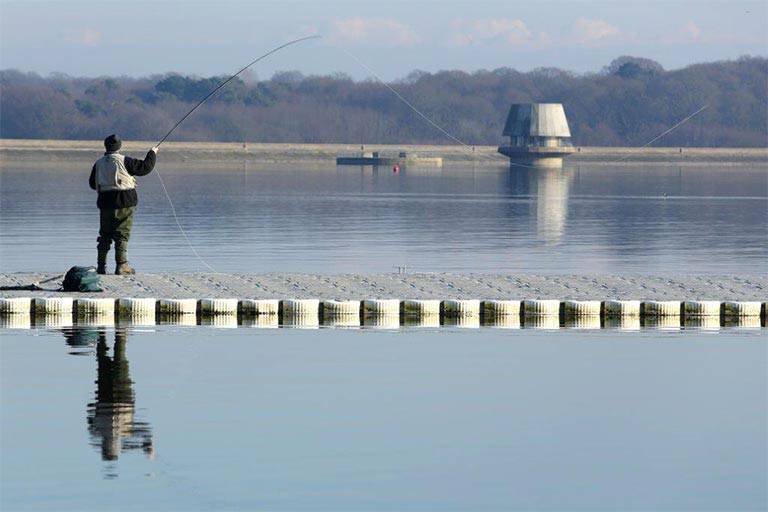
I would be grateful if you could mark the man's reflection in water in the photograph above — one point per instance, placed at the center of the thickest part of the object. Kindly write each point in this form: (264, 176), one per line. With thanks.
(110, 418)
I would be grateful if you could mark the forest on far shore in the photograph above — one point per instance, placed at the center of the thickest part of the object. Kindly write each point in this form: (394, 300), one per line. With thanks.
(628, 103)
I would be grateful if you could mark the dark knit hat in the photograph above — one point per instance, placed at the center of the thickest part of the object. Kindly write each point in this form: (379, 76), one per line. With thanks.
(113, 143)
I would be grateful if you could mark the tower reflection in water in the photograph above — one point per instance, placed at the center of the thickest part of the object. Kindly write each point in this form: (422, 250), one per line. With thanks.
(111, 418)
(549, 188)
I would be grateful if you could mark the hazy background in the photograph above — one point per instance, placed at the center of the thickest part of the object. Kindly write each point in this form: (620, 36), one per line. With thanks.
(94, 38)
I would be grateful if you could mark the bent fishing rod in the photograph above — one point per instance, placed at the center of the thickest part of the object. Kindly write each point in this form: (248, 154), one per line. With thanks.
(225, 82)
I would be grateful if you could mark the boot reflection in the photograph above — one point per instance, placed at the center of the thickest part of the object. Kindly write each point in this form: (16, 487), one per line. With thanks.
(111, 421)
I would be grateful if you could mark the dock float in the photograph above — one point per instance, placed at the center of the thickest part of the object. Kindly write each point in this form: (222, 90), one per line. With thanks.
(390, 313)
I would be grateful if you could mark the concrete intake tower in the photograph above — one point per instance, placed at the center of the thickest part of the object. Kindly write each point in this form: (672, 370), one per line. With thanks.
(538, 134)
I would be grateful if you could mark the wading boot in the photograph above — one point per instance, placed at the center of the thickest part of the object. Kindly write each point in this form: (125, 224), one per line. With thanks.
(124, 269)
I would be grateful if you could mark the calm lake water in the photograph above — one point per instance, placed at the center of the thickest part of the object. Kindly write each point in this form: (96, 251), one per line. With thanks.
(627, 218)
(168, 418)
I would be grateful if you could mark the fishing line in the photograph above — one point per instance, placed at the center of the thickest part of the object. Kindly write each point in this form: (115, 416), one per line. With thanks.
(211, 93)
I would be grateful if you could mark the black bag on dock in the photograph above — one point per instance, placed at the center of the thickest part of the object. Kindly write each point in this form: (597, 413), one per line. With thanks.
(81, 279)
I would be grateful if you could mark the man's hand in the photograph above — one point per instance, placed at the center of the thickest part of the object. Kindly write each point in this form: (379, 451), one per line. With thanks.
(155, 149)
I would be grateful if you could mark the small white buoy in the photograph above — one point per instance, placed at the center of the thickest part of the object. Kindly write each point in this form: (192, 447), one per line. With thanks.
(375, 307)
(581, 308)
(495, 308)
(53, 305)
(301, 307)
(582, 322)
(256, 307)
(701, 308)
(461, 307)
(623, 323)
(177, 307)
(214, 306)
(337, 308)
(413, 308)
(16, 321)
(15, 305)
(616, 308)
(90, 306)
(743, 308)
(546, 322)
(541, 307)
(138, 307)
(660, 308)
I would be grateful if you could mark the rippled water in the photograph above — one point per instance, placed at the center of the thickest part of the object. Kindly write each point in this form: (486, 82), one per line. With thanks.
(168, 418)
(636, 218)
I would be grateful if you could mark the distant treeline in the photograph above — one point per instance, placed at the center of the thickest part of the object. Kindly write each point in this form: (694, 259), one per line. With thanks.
(628, 103)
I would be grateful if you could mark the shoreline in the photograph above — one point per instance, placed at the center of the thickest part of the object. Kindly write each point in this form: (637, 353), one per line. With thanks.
(25, 150)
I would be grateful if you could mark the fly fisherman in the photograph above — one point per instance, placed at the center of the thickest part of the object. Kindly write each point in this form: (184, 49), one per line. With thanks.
(113, 177)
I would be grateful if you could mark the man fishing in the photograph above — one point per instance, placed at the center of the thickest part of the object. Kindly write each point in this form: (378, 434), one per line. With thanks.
(113, 176)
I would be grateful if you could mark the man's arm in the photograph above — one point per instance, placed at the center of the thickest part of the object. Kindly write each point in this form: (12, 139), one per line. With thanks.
(92, 179)
(136, 167)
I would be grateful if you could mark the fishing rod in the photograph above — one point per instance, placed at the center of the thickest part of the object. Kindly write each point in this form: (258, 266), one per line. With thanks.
(225, 82)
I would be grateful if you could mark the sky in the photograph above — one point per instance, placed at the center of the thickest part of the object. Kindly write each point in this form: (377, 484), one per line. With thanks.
(393, 38)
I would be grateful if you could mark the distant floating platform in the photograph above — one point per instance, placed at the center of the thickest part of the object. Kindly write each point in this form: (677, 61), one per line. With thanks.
(403, 160)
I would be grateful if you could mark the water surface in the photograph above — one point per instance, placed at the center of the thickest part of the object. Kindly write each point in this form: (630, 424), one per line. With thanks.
(243, 217)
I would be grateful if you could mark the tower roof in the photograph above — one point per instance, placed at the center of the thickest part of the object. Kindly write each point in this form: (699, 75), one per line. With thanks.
(536, 120)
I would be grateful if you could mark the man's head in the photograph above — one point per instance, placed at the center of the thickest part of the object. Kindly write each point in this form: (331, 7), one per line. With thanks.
(113, 143)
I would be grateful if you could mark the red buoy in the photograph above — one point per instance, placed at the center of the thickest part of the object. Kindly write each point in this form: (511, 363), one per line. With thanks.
(396, 168)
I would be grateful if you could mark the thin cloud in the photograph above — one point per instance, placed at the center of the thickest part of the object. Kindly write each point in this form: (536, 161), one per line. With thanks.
(590, 31)
(511, 31)
(385, 31)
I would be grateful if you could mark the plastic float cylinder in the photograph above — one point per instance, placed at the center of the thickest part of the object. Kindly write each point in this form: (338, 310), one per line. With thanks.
(573, 308)
(413, 308)
(701, 308)
(16, 321)
(300, 307)
(541, 307)
(87, 307)
(660, 308)
(337, 308)
(259, 307)
(453, 308)
(15, 305)
(376, 307)
(133, 307)
(174, 307)
(213, 306)
(616, 308)
(53, 305)
(750, 308)
(494, 308)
